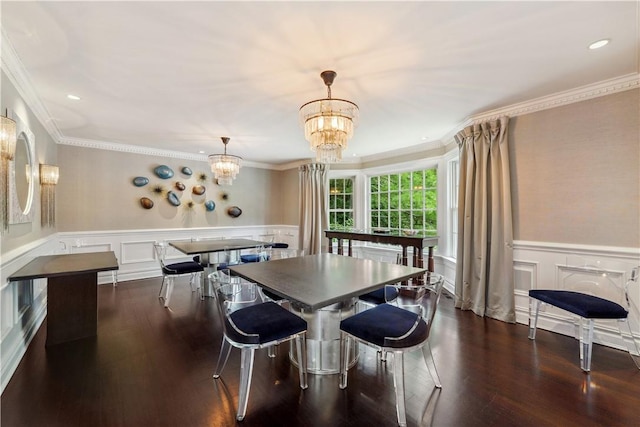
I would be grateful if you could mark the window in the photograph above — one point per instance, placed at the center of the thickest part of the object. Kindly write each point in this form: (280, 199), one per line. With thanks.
(340, 203)
(454, 183)
(406, 200)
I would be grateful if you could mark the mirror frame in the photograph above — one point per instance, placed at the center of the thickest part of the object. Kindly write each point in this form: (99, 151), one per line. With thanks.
(18, 215)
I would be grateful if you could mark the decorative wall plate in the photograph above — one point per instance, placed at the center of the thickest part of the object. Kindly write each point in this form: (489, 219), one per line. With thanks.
(234, 211)
(173, 198)
(163, 171)
(199, 189)
(140, 181)
(146, 202)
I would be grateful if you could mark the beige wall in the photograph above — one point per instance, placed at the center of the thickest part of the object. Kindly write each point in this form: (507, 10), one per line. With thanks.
(576, 172)
(290, 197)
(45, 152)
(96, 192)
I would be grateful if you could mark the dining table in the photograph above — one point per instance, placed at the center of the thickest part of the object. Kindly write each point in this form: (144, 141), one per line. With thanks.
(323, 289)
(206, 249)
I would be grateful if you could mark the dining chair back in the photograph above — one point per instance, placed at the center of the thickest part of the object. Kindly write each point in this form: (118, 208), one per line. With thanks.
(396, 330)
(250, 324)
(170, 271)
(590, 291)
(383, 295)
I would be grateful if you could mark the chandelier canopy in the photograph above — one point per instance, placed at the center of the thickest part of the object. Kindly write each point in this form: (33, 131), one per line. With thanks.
(225, 166)
(328, 123)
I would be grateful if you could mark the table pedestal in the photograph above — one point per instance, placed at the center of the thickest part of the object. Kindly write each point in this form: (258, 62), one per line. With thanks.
(323, 337)
(72, 307)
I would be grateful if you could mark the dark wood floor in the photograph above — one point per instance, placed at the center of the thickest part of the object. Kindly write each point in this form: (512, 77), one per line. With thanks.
(151, 366)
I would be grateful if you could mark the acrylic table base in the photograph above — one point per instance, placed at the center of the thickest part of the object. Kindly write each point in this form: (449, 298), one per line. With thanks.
(323, 337)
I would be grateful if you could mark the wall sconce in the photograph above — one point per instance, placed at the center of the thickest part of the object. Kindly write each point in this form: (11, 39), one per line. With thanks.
(7, 151)
(48, 179)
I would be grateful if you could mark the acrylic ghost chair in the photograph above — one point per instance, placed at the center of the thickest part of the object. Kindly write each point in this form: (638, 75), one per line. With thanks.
(250, 324)
(380, 296)
(266, 295)
(396, 330)
(170, 271)
(591, 293)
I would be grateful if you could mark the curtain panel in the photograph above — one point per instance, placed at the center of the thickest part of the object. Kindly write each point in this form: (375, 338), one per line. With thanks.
(314, 184)
(484, 271)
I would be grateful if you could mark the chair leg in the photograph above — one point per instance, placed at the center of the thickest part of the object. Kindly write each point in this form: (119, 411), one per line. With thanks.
(627, 336)
(431, 365)
(161, 286)
(301, 348)
(272, 351)
(114, 278)
(246, 369)
(344, 359)
(168, 292)
(534, 309)
(192, 281)
(398, 382)
(586, 343)
(225, 351)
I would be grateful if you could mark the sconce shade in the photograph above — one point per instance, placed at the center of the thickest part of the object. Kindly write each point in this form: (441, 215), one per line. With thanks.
(328, 123)
(49, 174)
(48, 179)
(225, 167)
(7, 137)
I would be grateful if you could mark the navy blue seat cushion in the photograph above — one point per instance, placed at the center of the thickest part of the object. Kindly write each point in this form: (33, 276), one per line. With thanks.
(281, 245)
(584, 305)
(377, 297)
(268, 321)
(182, 268)
(250, 258)
(386, 321)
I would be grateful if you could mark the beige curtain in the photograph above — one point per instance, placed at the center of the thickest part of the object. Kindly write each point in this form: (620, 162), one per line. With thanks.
(484, 271)
(314, 182)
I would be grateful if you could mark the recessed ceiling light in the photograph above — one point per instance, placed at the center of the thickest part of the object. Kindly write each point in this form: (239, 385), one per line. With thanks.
(424, 138)
(599, 44)
(73, 97)
(201, 152)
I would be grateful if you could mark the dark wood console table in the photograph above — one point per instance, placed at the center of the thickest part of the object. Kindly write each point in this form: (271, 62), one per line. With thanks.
(72, 293)
(417, 242)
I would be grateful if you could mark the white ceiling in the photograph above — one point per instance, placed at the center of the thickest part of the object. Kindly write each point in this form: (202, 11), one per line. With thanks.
(179, 75)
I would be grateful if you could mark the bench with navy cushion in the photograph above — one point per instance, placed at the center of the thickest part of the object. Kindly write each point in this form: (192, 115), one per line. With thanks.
(584, 305)
(588, 307)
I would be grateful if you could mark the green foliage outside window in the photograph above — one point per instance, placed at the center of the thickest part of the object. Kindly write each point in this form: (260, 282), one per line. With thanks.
(405, 201)
(341, 204)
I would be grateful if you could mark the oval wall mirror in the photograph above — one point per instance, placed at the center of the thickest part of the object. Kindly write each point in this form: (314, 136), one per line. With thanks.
(22, 175)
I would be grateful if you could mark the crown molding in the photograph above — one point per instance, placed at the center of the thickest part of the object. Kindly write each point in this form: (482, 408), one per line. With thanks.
(579, 94)
(16, 72)
(148, 151)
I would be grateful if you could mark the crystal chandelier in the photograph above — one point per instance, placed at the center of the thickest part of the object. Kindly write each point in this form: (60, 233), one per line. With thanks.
(225, 166)
(328, 123)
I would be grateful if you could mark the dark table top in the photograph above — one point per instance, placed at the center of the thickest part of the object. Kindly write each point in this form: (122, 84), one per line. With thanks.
(206, 246)
(65, 265)
(389, 237)
(316, 281)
